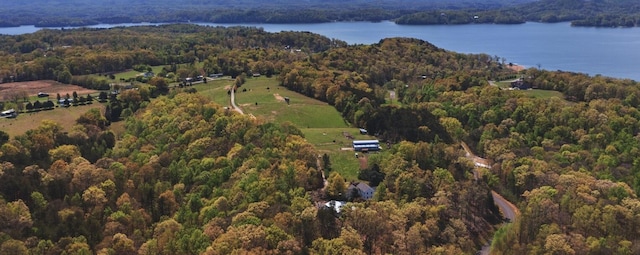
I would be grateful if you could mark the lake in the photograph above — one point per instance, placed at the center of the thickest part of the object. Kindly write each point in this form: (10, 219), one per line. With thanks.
(613, 52)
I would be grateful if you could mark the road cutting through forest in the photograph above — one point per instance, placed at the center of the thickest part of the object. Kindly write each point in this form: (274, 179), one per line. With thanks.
(509, 210)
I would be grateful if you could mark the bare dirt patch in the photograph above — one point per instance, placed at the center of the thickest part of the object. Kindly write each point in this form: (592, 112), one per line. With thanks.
(47, 86)
(363, 161)
(278, 97)
(516, 68)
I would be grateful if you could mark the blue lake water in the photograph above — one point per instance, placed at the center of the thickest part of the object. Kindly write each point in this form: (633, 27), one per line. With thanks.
(611, 52)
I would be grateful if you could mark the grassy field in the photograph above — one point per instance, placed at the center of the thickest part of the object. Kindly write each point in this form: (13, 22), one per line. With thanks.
(216, 90)
(264, 98)
(540, 93)
(133, 73)
(321, 123)
(66, 117)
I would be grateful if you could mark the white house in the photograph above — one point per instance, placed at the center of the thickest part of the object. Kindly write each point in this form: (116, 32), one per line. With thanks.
(363, 190)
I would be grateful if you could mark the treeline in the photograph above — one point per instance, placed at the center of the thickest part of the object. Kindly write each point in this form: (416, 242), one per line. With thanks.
(458, 17)
(603, 13)
(579, 12)
(66, 55)
(82, 13)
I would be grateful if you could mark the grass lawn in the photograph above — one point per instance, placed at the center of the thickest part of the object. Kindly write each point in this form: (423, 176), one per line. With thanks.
(216, 90)
(263, 97)
(66, 117)
(330, 141)
(133, 73)
(540, 93)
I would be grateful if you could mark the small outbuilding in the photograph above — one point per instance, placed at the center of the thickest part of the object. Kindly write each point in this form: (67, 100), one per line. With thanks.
(11, 113)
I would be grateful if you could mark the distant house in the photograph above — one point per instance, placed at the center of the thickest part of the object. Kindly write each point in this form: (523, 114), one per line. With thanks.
(215, 75)
(363, 131)
(366, 145)
(363, 190)
(149, 74)
(255, 74)
(520, 84)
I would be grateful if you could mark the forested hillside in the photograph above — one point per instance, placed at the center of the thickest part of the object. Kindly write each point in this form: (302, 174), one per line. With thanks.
(570, 162)
(603, 13)
(189, 176)
(80, 13)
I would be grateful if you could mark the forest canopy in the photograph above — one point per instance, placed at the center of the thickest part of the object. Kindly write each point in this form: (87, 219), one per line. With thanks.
(188, 176)
(603, 13)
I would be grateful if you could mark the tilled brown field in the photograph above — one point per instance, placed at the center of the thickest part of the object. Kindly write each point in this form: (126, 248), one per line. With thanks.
(46, 86)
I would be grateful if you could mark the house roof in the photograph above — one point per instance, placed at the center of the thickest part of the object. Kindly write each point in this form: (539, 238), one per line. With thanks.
(364, 187)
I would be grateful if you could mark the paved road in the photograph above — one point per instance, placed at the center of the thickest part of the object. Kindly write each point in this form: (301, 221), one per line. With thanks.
(509, 210)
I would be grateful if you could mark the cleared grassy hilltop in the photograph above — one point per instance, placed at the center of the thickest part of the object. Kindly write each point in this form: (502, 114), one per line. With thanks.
(320, 122)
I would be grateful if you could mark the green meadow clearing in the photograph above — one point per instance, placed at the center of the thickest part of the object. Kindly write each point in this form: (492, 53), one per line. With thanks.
(538, 93)
(320, 122)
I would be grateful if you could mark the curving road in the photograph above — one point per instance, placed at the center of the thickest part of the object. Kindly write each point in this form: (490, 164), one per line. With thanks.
(509, 210)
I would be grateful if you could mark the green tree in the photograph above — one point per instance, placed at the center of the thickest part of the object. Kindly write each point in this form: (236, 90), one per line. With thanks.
(336, 186)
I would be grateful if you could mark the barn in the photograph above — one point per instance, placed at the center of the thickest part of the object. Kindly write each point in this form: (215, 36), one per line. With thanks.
(366, 145)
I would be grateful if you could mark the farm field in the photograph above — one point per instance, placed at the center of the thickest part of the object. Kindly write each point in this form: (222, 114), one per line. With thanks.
(64, 116)
(47, 86)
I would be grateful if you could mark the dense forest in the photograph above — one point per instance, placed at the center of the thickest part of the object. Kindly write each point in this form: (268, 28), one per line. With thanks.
(190, 177)
(601, 13)
(82, 13)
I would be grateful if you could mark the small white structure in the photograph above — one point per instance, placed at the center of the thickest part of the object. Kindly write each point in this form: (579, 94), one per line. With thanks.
(11, 113)
(335, 205)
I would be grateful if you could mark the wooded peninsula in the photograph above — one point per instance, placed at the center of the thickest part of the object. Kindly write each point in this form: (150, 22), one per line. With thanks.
(186, 175)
